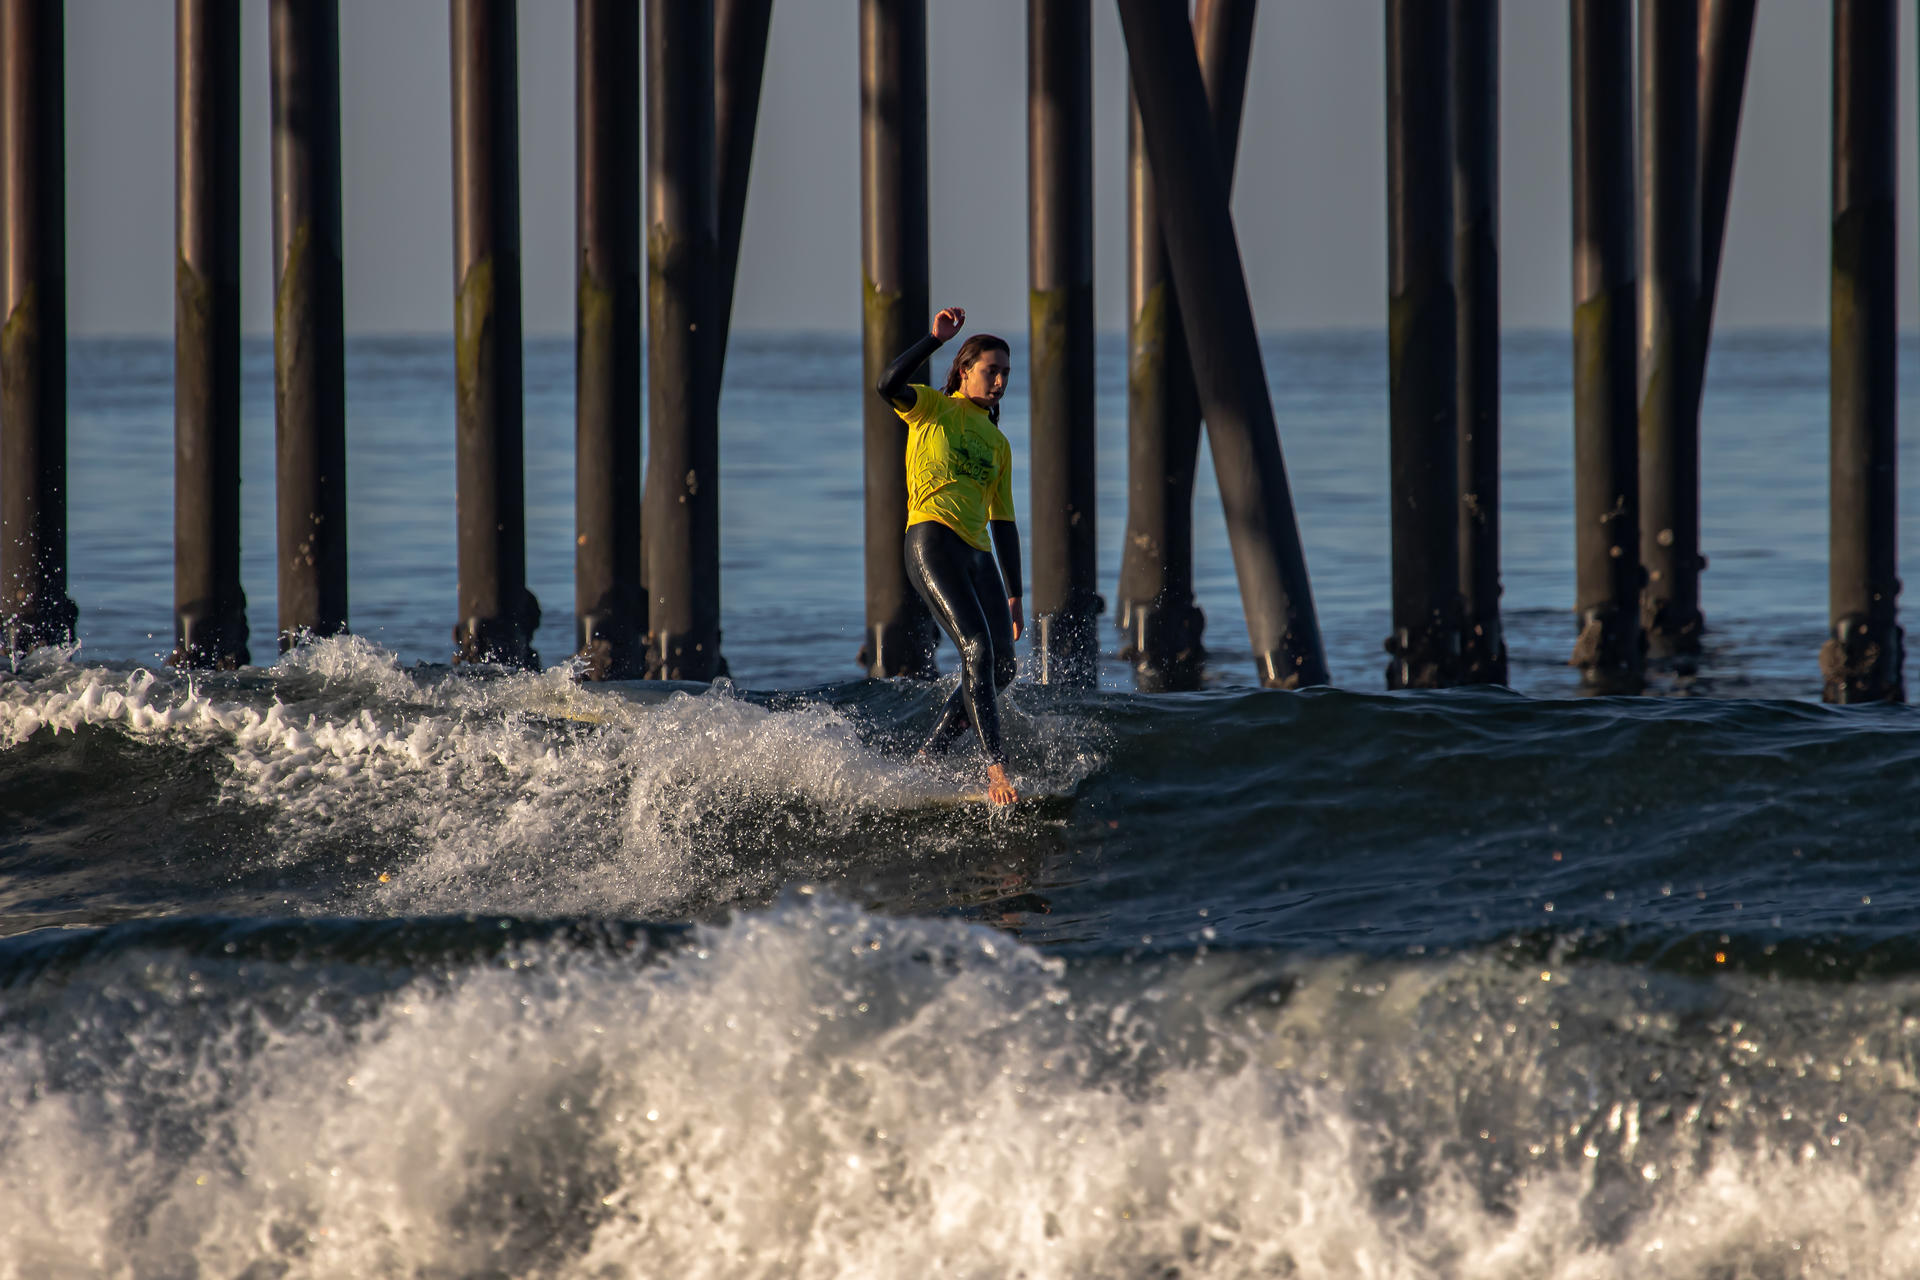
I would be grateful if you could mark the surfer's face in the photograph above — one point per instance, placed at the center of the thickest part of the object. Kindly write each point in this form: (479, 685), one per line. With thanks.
(985, 380)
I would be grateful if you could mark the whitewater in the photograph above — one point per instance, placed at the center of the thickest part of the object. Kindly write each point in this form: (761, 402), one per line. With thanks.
(352, 963)
(515, 976)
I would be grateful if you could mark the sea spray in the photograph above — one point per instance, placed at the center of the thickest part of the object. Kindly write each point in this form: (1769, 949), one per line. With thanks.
(420, 790)
(815, 1091)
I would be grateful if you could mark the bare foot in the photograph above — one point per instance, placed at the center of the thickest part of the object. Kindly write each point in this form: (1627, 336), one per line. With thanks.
(999, 790)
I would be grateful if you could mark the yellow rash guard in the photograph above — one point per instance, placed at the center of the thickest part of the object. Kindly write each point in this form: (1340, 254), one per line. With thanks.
(959, 466)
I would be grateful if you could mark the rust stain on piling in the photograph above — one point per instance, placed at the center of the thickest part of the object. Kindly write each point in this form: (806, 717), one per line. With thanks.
(887, 328)
(473, 322)
(1403, 310)
(877, 304)
(594, 335)
(1850, 233)
(192, 320)
(1146, 362)
(21, 337)
(1047, 316)
(193, 299)
(595, 303)
(1591, 320)
(1659, 372)
(668, 258)
(879, 308)
(293, 299)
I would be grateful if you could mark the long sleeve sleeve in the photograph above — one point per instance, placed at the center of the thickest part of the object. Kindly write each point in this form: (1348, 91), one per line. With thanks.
(893, 386)
(1006, 549)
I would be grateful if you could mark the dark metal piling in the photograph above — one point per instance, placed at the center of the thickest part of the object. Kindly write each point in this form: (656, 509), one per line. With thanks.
(1726, 41)
(1476, 273)
(209, 607)
(1425, 643)
(740, 60)
(498, 615)
(1060, 261)
(1156, 611)
(34, 608)
(1217, 319)
(309, 385)
(683, 441)
(1223, 40)
(1610, 649)
(1669, 301)
(609, 600)
(896, 311)
(1861, 661)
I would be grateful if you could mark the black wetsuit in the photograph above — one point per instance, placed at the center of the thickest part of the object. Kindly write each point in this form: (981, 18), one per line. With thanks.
(965, 592)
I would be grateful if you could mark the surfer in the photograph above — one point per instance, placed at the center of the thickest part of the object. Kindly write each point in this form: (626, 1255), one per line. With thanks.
(959, 520)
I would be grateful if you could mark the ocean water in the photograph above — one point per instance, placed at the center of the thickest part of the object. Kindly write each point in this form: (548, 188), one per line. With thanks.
(355, 965)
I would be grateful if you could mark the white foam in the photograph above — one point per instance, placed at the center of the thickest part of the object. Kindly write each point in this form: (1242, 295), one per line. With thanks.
(814, 1092)
(523, 793)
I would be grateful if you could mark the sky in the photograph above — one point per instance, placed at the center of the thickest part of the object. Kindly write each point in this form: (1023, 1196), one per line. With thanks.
(1309, 203)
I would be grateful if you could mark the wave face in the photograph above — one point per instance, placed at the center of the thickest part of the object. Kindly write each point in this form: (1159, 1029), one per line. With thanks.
(347, 968)
(343, 783)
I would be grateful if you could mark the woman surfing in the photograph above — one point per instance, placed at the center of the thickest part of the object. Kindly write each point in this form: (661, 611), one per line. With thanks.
(959, 519)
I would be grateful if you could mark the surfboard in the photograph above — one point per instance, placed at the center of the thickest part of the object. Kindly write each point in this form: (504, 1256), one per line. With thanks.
(1030, 802)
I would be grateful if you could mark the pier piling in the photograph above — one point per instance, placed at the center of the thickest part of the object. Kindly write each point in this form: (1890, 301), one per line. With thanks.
(209, 606)
(1066, 604)
(1425, 643)
(1217, 319)
(683, 441)
(1476, 272)
(1156, 610)
(1669, 282)
(1610, 649)
(309, 342)
(1223, 41)
(34, 607)
(609, 600)
(1861, 660)
(1726, 41)
(740, 61)
(498, 615)
(900, 633)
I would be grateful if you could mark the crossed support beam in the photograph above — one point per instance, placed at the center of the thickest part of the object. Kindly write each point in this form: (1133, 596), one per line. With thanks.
(1156, 612)
(1217, 321)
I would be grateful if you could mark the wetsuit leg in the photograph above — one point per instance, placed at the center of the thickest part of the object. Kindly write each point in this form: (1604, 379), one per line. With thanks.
(952, 725)
(940, 566)
(991, 591)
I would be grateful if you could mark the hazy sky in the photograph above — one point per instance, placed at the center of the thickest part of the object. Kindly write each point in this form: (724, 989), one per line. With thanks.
(1309, 202)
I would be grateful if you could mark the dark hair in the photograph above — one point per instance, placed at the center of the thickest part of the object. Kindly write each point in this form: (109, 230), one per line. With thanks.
(963, 359)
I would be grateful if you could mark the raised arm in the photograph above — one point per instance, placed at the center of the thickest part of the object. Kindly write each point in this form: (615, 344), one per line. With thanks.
(893, 386)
